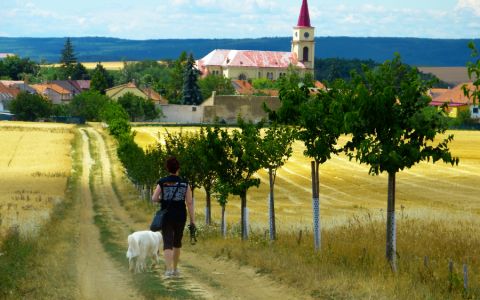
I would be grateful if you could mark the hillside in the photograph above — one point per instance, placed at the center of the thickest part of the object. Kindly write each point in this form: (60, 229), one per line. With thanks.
(414, 51)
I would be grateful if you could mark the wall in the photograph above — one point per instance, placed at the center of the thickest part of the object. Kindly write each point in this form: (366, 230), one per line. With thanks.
(228, 108)
(183, 114)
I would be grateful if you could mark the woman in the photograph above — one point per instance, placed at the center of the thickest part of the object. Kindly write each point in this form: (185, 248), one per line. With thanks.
(176, 197)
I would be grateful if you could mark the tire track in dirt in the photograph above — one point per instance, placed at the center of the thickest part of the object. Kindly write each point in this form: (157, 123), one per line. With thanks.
(206, 276)
(98, 277)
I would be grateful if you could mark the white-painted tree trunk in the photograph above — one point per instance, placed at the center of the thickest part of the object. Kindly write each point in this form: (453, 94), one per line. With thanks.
(316, 206)
(391, 247)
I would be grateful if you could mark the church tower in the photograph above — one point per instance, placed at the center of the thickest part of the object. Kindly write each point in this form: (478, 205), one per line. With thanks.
(303, 43)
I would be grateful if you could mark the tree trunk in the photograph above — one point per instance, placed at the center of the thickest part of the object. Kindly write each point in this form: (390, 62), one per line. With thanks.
(391, 249)
(208, 214)
(224, 225)
(243, 197)
(316, 205)
(273, 231)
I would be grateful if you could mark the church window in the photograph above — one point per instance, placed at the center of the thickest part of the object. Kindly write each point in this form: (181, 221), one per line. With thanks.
(305, 54)
(242, 77)
(270, 75)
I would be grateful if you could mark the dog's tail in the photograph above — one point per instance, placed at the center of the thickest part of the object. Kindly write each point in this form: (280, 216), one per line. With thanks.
(133, 248)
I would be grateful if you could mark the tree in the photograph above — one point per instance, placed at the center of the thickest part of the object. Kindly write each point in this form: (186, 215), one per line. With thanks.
(474, 75)
(393, 128)
(116, 118)
(210, 161)
(70, 68)
(319, 123)
(293, 92)
(78, 72)
(17, 68)
(68, 57)
(137, 107)
(29, 107)
(174, 87)
(242, 161)
(263, 84)
(191, 91)
(89, 105)
(220, 84)
(101, 79)
(276, 148)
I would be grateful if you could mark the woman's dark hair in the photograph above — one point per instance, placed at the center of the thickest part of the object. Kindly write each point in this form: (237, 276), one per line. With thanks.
(172, 165)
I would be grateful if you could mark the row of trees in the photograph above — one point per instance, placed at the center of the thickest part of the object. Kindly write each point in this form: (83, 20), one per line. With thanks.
(385, 110)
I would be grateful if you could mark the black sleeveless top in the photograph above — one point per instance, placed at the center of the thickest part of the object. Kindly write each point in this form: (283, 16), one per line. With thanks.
(177, 210)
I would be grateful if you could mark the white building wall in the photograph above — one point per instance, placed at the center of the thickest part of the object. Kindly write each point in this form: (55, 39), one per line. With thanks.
(183, 114)
(475, 111)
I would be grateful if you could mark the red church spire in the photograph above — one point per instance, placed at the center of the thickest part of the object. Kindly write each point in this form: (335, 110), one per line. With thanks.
(304, 18)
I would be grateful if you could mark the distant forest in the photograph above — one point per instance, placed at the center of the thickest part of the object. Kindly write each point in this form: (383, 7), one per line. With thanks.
(414, 51)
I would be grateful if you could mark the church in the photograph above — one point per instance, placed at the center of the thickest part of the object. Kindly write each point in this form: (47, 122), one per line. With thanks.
(249, 65)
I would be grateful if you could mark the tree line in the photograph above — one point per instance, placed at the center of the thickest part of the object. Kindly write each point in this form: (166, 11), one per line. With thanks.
(384, 111)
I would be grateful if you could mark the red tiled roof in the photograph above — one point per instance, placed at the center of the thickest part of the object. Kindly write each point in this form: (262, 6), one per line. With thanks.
(454, 96)
(304, 18)
(156, 97)
(9, 90)
(41, 88)
(249, 58)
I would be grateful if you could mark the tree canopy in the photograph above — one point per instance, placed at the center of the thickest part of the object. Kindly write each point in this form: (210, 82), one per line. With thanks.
(29, 107)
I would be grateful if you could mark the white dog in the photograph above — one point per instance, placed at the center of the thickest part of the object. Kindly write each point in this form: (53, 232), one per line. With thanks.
(143, 244)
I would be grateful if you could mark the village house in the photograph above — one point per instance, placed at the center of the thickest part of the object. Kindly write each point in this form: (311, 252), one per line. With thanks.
(249, 64)
(53, 92)
(75, 86)
(7, 94)
(455, 99)
(146, 93)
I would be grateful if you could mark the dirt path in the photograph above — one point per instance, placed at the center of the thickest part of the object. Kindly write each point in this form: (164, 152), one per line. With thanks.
(206, 277)
(98, 277)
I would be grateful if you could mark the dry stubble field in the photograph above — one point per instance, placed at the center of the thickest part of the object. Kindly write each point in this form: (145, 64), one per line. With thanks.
(431, 191)
(35, 163)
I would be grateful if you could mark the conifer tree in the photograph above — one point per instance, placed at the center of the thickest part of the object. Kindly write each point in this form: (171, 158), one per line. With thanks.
(191, 92)
(68, 55)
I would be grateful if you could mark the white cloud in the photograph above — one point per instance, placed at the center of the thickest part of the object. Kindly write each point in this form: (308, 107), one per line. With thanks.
(473, 5)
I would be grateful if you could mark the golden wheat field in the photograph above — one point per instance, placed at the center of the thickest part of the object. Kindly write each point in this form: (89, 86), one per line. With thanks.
(433, 191)
(108, 65)
(35, 163)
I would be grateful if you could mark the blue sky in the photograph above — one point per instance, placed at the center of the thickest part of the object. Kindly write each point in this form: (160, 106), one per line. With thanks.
(150, 19)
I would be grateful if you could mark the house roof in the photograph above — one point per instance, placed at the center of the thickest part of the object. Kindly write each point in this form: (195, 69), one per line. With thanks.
(41, 88)
(304, 17)
(149, 93)
(69, 85)
(454, 96)
(242, 87)
(435, 92)
(8, 93)
(153, 95)
(249, 58)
